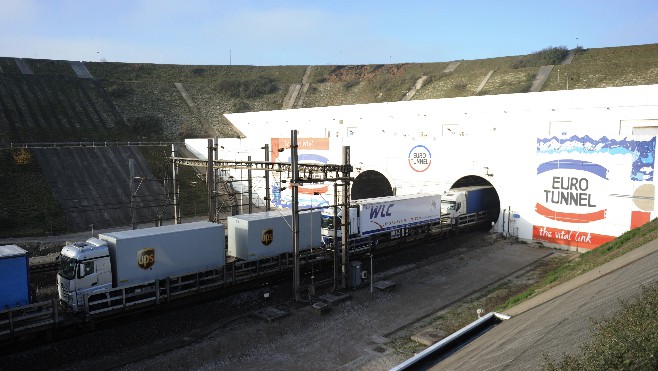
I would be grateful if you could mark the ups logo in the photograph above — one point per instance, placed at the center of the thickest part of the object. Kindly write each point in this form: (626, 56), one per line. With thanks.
(267, 236)
(146, 258)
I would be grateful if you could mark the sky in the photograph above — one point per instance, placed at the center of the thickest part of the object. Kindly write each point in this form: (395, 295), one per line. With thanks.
(307, 32)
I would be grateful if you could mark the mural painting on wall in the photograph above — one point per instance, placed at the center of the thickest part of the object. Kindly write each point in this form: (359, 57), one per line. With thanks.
(590, 190)
(309, 150)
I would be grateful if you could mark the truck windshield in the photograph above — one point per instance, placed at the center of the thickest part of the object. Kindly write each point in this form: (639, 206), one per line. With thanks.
(329, 222)
(448, 205)
(67, 267)
(326, 222)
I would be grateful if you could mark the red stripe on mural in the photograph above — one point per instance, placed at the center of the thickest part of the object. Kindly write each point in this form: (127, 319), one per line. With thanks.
(639, 218)
(569, 217)
(565, 237)
(312, 191)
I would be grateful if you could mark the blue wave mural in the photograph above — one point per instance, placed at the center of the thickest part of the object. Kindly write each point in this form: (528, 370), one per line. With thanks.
(643, 152)
(590, 167)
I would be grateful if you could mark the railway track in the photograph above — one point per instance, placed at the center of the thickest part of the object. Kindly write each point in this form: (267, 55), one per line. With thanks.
(44, 267)
(316, 274)
(190, 319)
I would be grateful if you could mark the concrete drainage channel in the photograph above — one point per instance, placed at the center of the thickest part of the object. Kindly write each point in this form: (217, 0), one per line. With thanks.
(439, 351)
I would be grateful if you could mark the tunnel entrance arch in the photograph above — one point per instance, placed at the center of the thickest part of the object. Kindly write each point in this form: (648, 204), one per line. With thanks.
(477, 181)
(370, 184)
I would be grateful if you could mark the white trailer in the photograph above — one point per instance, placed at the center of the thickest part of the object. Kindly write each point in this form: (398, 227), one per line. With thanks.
(372, 216)
(266, 234)
(385, 214)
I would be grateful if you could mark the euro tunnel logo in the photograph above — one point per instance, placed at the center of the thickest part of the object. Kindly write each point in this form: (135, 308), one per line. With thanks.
(146, 258)
(567, 195)
(420, 158)
(267, 236)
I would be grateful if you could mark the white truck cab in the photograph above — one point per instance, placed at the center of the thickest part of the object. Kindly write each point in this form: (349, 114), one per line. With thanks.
(328, 224)
(85, 268)
(451, 204)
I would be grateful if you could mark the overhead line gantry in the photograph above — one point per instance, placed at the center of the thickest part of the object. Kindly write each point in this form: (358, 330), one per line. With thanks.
(298, 174)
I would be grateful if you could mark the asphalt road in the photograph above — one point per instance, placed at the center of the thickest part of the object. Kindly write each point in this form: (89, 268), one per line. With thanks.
(559, 321)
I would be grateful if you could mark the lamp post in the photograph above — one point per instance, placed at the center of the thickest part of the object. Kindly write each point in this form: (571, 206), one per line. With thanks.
(295, 212)
(266, 147)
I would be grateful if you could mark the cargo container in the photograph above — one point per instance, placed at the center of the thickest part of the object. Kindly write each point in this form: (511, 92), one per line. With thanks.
(14, 277)
(266, 234)
(135, 256)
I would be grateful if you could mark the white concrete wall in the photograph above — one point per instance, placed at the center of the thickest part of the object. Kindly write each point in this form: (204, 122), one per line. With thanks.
(604, 136)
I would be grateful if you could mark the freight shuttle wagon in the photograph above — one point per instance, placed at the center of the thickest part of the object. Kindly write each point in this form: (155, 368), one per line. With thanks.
(266, 234)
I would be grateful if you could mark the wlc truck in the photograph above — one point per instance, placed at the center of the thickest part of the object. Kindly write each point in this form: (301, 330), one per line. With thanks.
(131, 257)
(392, 214)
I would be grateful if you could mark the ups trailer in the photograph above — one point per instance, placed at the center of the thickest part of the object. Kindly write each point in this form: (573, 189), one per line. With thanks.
(268, 234)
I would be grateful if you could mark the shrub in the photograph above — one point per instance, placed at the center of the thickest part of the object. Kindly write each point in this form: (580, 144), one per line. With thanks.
(146, 127)
(350, 84)
(22, 157)
(460, 85)
(544, 57)
(119, 91)
(579, 50)
(248, 89)
(241, 106)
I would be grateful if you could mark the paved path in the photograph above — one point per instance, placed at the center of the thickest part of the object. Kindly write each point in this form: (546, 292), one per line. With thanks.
(484, 81)
(452, 66)
(23, 67)
(569, 57)
(419, 84)
(558, 321)
(190, 103)
(80, 70)
(304, 88)
(541, 77)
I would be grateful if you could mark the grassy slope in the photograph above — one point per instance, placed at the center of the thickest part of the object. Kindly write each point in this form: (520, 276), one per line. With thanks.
(26, 202)
(606, 67)
(154, 109)
(193, 191)
(553, 272)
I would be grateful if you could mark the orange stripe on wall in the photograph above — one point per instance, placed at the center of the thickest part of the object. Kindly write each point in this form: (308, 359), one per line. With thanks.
(569, 217)
(639, 218)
